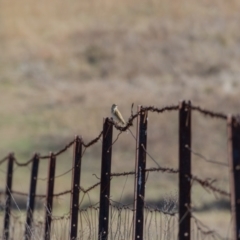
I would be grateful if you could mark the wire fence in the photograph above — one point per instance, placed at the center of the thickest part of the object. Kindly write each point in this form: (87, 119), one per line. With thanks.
(173, 218)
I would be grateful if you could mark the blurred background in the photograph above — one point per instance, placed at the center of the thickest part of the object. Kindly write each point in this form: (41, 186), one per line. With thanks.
(63, 64)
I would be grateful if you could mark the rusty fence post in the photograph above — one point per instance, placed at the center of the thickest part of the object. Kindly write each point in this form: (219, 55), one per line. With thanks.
(184, 170)
(140, 174)
(49, 200)
(8, 197)
(76, 172)
(234, 163)
(31, 197)
(105, 180)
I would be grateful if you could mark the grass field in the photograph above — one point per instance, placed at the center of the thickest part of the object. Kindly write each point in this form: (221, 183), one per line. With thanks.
(62, 66)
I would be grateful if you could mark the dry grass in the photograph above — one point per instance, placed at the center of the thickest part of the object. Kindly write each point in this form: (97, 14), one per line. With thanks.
(62, 65)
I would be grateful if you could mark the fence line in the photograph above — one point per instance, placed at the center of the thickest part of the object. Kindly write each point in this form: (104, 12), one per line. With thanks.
(139, 216)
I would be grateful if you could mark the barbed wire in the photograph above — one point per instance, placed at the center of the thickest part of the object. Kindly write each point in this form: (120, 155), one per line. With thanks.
(205, 183)
(209, 113)
(205, 230)
(120, 128)
(19, 164)
(4, 159)
(206, 159)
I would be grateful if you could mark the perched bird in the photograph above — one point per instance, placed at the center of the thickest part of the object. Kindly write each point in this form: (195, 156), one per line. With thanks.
(117, 115)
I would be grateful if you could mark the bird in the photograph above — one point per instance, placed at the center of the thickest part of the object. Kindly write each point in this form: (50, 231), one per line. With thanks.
(117, 115)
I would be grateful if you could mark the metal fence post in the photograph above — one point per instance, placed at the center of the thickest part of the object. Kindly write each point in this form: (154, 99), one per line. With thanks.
(31, 200)
(135, 178)
(105, 180)
(76, 172)
(49, 200)
(8, 197)
(140, 174)
(184, 170)
(234, 163)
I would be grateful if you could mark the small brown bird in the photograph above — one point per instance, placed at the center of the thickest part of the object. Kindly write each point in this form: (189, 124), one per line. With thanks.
(117, 115)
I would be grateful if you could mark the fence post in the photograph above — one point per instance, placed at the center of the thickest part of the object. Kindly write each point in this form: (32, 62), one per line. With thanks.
(49, 200)
(8, 197)
(184, 170)
(140, 173)
(234, 163)
(76, 172)
(136, 169)
(31, 200)
(105, 180)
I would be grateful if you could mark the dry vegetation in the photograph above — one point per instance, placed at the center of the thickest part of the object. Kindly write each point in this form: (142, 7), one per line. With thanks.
(62, 65)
